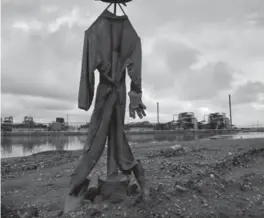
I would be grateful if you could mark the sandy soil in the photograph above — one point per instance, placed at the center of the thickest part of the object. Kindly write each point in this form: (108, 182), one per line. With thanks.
(207, 178)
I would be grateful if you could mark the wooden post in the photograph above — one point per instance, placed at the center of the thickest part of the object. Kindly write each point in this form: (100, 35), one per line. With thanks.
(115, 7)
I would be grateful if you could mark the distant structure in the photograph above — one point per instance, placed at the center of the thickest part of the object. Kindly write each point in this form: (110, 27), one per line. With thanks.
(7, 124)
(29, 121)
(216, 121)
(187, 120)
(58, 125)
(139, 126)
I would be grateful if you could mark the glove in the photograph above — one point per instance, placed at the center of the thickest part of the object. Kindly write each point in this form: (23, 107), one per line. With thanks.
(136, 105)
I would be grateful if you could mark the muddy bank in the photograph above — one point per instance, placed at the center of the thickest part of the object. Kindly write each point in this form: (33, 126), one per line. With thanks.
(206, 178)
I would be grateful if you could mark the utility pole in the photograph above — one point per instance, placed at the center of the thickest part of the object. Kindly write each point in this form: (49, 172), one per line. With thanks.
(157, 112)
(230, 110)
(67, 121)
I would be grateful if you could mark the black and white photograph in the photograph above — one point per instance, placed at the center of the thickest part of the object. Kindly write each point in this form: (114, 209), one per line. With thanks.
(132, 108)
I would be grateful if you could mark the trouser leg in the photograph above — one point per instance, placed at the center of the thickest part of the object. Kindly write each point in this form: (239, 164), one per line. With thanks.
(119, 153)
(125, 158)
(86, 164)
(112, 164)
(96, 140)
(127, 163)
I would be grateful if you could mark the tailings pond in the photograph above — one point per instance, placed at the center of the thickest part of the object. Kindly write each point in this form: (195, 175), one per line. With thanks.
(17, 146)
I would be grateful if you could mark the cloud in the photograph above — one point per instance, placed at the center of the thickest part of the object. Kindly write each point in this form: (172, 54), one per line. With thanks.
(168, 62)
(51, 67)
(173, 70)
(207, 82)
(178, 56)
(37, 88)
(249, 92)
(195, 54)
(40, 108)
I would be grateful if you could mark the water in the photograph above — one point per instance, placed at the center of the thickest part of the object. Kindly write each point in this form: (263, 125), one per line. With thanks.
(248, 135)
(18, 146)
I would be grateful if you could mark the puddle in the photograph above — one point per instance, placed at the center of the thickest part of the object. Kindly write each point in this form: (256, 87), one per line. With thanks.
(241, 135)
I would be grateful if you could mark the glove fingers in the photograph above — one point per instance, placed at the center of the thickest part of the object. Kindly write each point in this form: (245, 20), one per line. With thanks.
(139, 113)
(142, 112)
(132, 113)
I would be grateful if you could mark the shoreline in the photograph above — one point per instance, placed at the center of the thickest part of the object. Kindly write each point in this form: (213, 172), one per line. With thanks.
(157, 138)
(160, 144)
(42, 153)
(129, 132)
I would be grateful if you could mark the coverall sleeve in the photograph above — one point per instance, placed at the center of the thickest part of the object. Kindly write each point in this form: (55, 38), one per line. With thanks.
(134, 72)
(134, 68)
(90, 61)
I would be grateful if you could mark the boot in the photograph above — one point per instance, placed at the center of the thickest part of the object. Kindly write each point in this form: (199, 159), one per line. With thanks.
(80, 189)
(140, 177)
(75, 197)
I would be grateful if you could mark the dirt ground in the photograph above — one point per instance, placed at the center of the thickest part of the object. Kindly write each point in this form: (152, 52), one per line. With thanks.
(205, 178)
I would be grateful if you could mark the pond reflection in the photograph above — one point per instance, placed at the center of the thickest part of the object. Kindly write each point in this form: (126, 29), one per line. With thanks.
(26, 145)
(17, 146)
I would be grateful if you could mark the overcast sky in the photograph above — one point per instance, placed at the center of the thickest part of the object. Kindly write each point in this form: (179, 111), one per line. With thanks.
(195, 52)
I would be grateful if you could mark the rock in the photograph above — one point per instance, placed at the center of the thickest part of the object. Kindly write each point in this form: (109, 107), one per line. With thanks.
(172, 151)
(59, 213)
(105, 207)
(94, 212)
(58, 175)
(176, 147)
(133, 189)
(28, 213)
(180, 188)
(33, 211)
(80, 213)
(160, 187)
